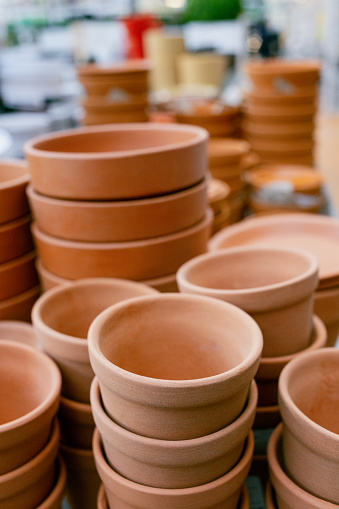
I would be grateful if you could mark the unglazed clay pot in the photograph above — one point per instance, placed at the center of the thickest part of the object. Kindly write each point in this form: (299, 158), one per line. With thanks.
(274, 285)
(218, 119)
(90, 119)
(300, 95)
(55, 497)
(124, 494)
(193, 382)
(14, 177)
(226, 151)
(280, 113)
(288, 494)
(326, 305)
(130, 161)
(18, 331)
(309, 405)
(272, 129)
(280, 74)
(29, 400)
(121, 103)
(15, 238)
(76, 423)
(18, 275)
(267, 417)
(20, 306)
(113, 221)
(173, 463)
(28, 485)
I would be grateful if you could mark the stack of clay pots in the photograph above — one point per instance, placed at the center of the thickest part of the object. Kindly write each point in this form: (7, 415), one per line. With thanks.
(280, 109)
(127, 201)
(19, 283)
(173, 401)
(32, 476)
(61, 318)
(115, 94)
(303, 451)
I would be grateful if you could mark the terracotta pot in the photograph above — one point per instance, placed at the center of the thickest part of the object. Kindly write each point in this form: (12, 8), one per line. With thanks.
(267, 417)
(168, 463)
(82, 482)
(274, 285)
(61, 318)
(218, 194)
(76, 423)
(288, 494)
(174, 389)
(123, 103)
(14, 177)
(306, 159)
(309, 408)
(28, 405)
(131, 161)
(222, 492)
(270, 367)
(18, 331)
(272, 129)
(20, 306)
(281, 74)
(28, 485)
(92, 119)
(326, 303)
(55, 497)
(137, 260)
(219, 120)
(294, 96)
(298, 146)
(277, 112)
(230, 174)
(226, 152)
(270, 498)
(18, 275)
(15, 239)
(113, 221)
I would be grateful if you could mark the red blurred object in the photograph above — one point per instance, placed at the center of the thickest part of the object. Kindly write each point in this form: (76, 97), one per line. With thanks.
(136, 25)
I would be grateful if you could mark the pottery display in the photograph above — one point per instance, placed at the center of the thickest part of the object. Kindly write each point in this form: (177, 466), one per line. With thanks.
(283, 75)
(15, 238)
(18, 331)
(76, 423)
(226, 151)
(18, 275)
(14, 177)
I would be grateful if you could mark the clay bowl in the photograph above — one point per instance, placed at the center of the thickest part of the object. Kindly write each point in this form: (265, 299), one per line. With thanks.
(18, 275)
(309, 407)
(279, 130)
(130, 161)
(20, 306)
(281, 74)
(222, 492)
(29, 403)
(294, 96)
(273, 285)
(326, 302)
(270, 367)
(171, 389)
(226, 151)
(55, 497)
(92, 119)
(228, 174)
(137, 260)
(30, 484)
(288, 494)
(173, 464)
(15, 238)
(14, 177)
(76, 423)
(61, 318)
(115, 221)
(18, 331)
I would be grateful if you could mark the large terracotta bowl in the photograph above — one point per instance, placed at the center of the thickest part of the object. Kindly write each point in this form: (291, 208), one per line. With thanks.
(117, 161)
(14, 177)
(281, 74)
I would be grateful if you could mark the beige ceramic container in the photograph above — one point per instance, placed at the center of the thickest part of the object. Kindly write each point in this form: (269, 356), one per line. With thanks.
(18, 275)
(309, 405)
(55, 498)
(274, 285)
(124, 494)
(20, 306)
(173, 464)
(76, 423)
(130, 161)
(61, 318)
(15, 238)
(29, 401)
(14, 177)
(191, 383)
(22, 332)
(283, 75)
(114, 221)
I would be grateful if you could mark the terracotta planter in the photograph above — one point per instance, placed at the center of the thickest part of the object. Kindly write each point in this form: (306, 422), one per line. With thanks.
(219, 120)
(61, 318)
(76, 423)
(18, 331)
(114, 221)
(280, 112)
(274, 285)
(14, 177)
(295, 96)
(20, 306)
(267, 417)
(131, 161)
(55, 497)
(270, 498)
(232, 175)
(28, 485)
(226, 152)
(218, 194)
(18, 275)
(273, 130)
(280, 74)
(123, 103)
(160, 392)
(288, 494)
(168, 463)
(92, 119)
(326, 303)
(309, 408)
(15, 239)
(223, 492)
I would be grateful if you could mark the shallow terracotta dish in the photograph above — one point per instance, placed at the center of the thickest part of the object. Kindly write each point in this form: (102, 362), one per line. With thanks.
(55, 497)
(15, 238)
(76, 423)
(14, 177)
(18, 331)
(226, 151)
(117, 161)
(219, 120)
(326, 302)
(20, 306)
(281, 74)
(223, 492)
(114, 221)
(18, 275)
(171, 389)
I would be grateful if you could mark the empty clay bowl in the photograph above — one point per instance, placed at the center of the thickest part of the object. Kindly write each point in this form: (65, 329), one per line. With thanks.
(283, 75)
(55, 497)
(76, 423)
(174, 379)
(61, 318)
(15, 238)
(20, 306)
(117, 161)
(18, 275)
(309, 405)
(14, 177)
(168, 463)
(18, 331)
(274, 285)
(222, 492)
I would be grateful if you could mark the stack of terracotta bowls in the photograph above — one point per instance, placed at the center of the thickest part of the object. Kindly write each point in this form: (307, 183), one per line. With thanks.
(173, 401)
(19, 283)
(31, 474)
(61, 318)
(115, 94)
(280, 109)
(303, 452)
(126, 201)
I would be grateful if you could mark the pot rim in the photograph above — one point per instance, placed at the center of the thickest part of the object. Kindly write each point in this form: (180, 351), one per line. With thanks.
(10, 225)
(18, 261)
(18, 180)
(273, 66)
(58, 489)
(129, 66)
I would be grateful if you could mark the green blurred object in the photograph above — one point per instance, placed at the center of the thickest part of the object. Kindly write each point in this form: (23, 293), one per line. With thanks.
(212, 10)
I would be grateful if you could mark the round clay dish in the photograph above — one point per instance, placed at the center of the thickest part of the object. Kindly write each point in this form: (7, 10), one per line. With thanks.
(226, 151)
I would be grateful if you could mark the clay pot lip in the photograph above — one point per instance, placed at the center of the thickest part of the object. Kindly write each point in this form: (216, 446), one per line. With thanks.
(31, 148)
(77, 457)
(96, 353)
(271, 94)
(311, 178)
(278, 66)
(278, 473)
(269, 409)
(24, 331)
(21, 297)
(58, 488)
(127, 66)
(18, 180)
(53, 395)
(18, 261)
(234, 147)
(10, 225)
(173, 492)
(72, 406)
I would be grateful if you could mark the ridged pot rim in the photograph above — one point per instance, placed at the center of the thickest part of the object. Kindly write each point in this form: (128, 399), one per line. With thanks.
(10, 225)
(18, 261)
(75, 408)
(19, 180)
(20, 298)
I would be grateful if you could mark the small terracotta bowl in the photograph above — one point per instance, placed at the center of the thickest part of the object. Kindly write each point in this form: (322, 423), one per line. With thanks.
(18, 331)
(174, 379)
(15, 238)
(55, 497)
(222, 492)
(20, 306)
(168, 463)
(288, 494)
(76, 423)
(274, 285)
(28, 404)
(14, 177)
(61, 318)
(18, 275)
(309, 405)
